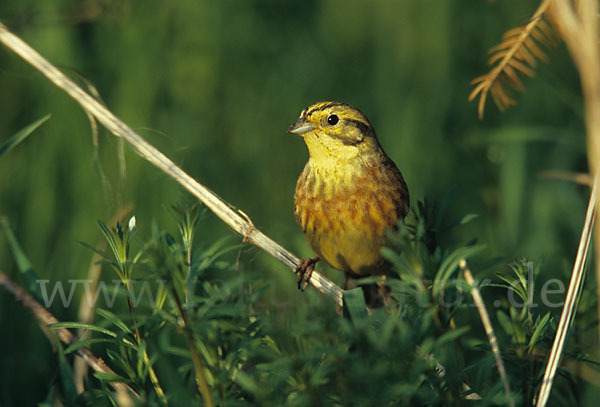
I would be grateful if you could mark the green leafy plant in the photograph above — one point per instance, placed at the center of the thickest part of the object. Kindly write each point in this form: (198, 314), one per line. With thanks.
(201, 338)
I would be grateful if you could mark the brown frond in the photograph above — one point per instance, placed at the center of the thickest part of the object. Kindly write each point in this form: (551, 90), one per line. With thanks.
(516, 55)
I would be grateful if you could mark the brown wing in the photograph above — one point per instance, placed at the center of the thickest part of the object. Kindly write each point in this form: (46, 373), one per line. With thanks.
(394, 186)
(301, 198)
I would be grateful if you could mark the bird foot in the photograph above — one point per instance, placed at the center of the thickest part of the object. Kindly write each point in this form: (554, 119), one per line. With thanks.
(305, 270)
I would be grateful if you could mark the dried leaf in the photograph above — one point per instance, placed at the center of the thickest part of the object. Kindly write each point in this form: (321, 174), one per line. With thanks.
(521, 68)
(524, 55)
(513, 79)
(496, 56)
(535, 50)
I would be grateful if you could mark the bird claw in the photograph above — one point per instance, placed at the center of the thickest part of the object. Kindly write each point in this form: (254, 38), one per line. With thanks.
(305, 269)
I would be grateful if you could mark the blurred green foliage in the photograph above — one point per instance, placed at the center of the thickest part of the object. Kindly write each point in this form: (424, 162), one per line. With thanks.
(215, 84)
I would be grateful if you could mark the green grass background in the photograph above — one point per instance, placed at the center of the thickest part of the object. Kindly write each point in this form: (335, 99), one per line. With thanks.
(215, 84)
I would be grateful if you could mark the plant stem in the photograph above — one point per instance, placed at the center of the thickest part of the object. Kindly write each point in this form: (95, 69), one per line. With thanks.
(199, 374)
(188, 264)
(487, 324)
(153, 378)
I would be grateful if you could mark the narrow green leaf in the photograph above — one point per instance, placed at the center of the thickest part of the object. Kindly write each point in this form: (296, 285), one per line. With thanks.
(177, 351)
(109, 377)
(247, 383)
(22, 135)
(217, 247)
(355, 307)
(463, 220)
(119, 361)
(540, 328)
(110, 238)
(69, 389)
(506, 322)
(86, 342)
(141, 352)
(109, 316)
(401, 264)
(468, 218)
(450, 264)
(81, 325)
(451, 335)
(94, 249)
(30, 278)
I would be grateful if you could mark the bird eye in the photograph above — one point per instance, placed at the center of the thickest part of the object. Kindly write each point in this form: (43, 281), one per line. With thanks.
(333, 119)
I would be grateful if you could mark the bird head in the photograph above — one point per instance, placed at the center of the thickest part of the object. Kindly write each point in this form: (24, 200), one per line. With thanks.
(334, 130)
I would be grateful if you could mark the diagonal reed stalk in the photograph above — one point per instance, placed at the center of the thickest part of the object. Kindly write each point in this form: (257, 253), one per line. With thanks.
(236, 219)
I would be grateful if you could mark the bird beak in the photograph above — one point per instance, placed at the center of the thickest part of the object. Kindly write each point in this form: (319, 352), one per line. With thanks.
(300, 127)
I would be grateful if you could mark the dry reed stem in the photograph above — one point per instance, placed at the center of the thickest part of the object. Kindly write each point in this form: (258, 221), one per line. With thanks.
(223, 210)
(568, 311)
(45, 318)
(579, 28)
(578, 25)
(487, 325)
(574, 177)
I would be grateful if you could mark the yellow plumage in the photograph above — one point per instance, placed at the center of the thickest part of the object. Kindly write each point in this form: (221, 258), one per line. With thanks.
(350, 191)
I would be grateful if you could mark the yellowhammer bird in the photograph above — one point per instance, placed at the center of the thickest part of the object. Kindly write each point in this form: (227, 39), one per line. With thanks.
(349, 193)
